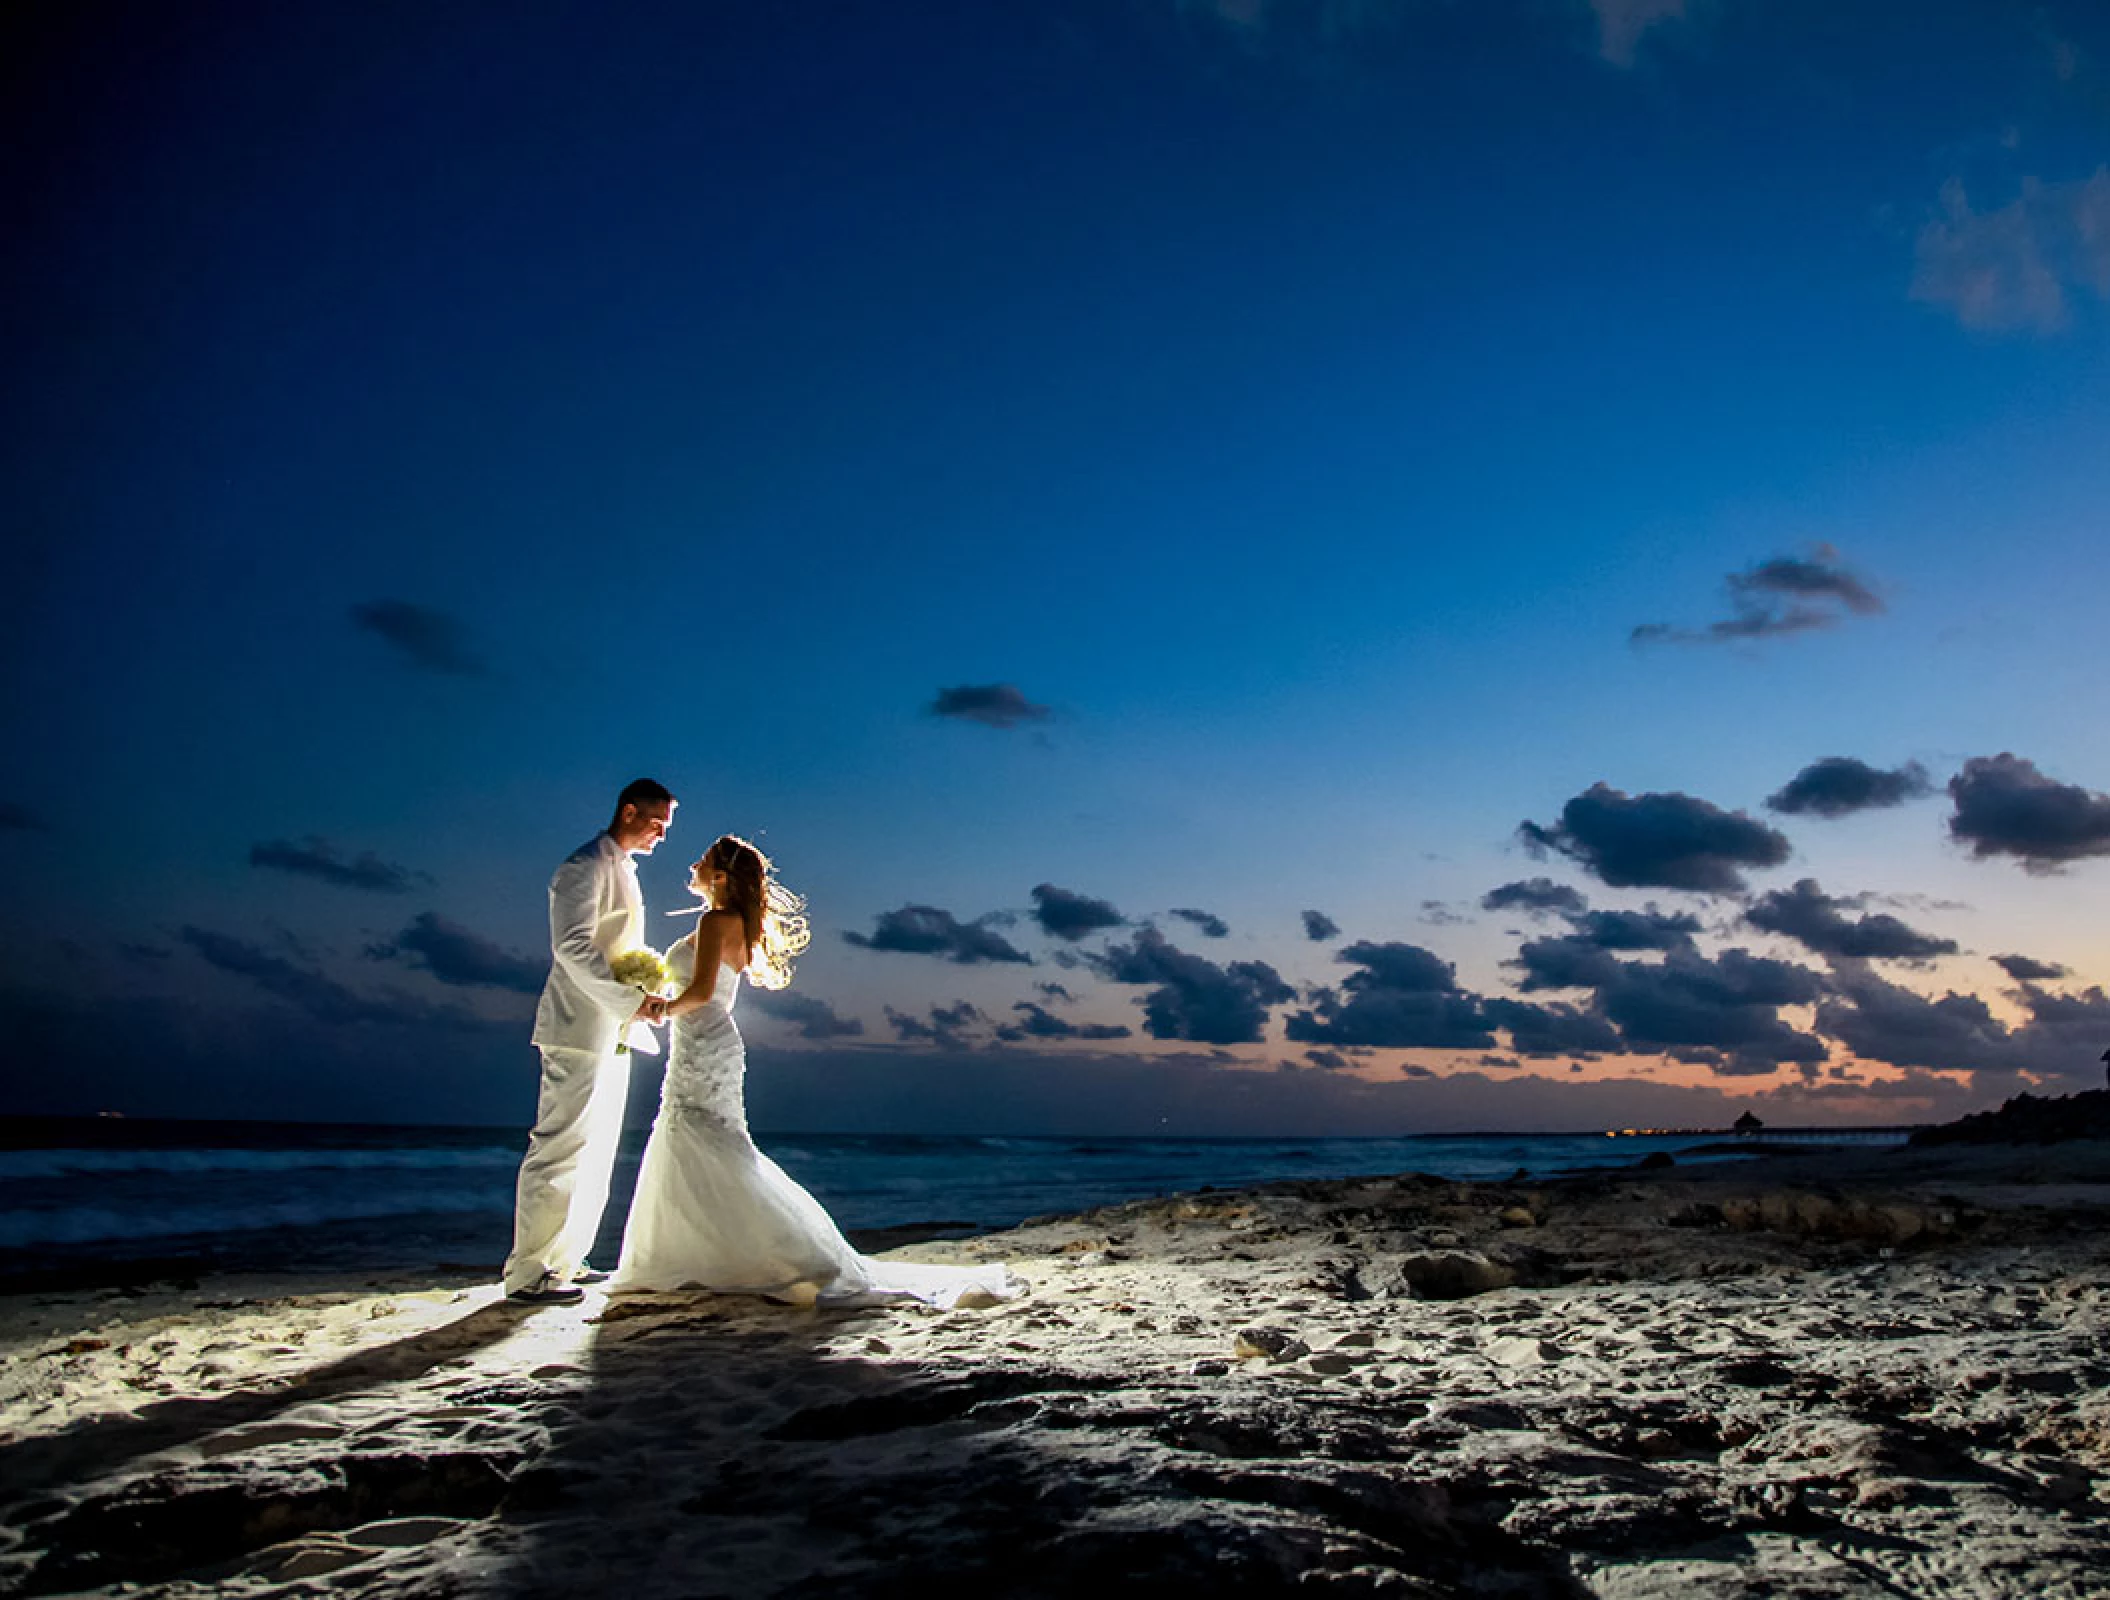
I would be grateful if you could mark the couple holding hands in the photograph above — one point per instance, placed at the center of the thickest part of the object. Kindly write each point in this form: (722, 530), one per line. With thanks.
(710, 1211)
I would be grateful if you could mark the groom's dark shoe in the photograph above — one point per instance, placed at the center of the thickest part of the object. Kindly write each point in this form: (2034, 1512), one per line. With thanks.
(587, 1274)
(547, 1291)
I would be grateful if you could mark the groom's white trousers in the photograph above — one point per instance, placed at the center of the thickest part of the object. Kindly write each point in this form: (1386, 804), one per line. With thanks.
(563, 1185)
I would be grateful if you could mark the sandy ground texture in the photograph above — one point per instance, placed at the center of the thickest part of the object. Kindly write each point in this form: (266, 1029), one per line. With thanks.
(1873, 1376)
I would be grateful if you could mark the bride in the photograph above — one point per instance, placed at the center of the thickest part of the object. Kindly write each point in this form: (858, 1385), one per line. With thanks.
(711, 1211)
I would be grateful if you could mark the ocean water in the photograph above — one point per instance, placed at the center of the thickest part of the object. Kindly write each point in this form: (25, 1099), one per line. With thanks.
(79, 1196)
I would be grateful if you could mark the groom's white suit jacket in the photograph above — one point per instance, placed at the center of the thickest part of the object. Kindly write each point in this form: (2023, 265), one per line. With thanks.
(595, 912)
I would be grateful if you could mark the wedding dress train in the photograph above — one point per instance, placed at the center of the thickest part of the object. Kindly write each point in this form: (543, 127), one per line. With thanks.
(712, 1212)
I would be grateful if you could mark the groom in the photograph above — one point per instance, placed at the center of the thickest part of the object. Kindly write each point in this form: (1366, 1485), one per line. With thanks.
(595, 911)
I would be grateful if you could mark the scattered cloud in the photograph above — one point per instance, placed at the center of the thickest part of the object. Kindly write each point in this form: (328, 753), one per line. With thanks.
(928, 931)
(1669, 841)
(2006, 807)
(949, 1027)
(1647, 929)
(1568, 962)
(1536, 896)
(993, 705)
(1211, 925)
(321, 997)
(430, 640)
(1788, 594)
(454, 955)
(2016, 268)
(2025, 969)
(2064, 1035)
(318, 858)
(1881, 1021)
(1319, 927)
(1816, 921)
(1071, 916)
(1838, 786)
(1194, 998)
(1729, 1003)
(17, 818)
(1557, 1030)
(1401, 997)
(1037, 1022)
(814, 1019)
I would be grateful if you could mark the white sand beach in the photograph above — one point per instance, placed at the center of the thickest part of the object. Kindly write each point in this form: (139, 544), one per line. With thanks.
(1870, 1375)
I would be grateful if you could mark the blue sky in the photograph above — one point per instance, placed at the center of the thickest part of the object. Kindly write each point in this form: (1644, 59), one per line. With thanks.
(1238, 459)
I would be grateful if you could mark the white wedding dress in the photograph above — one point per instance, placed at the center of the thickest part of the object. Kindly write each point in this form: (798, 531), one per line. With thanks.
(712, 1212)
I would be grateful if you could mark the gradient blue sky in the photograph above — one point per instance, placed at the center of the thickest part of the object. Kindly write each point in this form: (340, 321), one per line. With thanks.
(1318, 439)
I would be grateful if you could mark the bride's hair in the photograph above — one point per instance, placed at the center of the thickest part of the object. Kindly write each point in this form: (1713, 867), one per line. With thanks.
(772, 918)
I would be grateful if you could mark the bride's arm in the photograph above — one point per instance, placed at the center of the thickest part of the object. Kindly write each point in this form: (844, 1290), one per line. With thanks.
(710, 949)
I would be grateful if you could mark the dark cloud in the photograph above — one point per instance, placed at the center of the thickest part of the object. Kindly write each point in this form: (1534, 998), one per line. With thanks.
(430, 640)
(1438, 915)
(1788, 594)
(1636, 930)
(1054, 991)
(1815, 920)
(318, 858)
(928, 931)
(2062, 1037)
(1567, 962)
(1319, 927)
(1558, 1030)
(1193, 998)
(993, 705)
(814, 1019)
(1071, 916)
(1882, 1021)
(949, 1027)
(1838, 786)
(1819, 577)
(1037, 1022)
(452, 954)
(145, 952)
(1534, 895)
(2005, 806)
(1730, 1003)
(1330, 1060)
(1403, 997)
(1669, 841)
(17, 818)
(1737, 1063)
(2025, 969)
(322, 998)
(1397, 966)
(1211, 925)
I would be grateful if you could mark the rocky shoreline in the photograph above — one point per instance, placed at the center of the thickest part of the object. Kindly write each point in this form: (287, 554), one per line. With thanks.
(1871, 1374)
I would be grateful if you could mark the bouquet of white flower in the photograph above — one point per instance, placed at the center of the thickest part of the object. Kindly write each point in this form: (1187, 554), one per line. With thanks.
(644, 969)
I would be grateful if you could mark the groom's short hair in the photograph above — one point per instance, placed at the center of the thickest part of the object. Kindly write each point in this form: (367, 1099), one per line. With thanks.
(642, 792)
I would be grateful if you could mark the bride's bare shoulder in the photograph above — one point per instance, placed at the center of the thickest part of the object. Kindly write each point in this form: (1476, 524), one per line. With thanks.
(720, 933)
